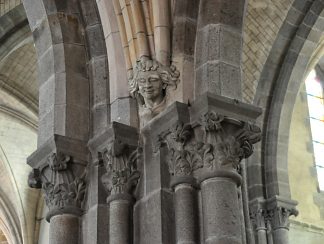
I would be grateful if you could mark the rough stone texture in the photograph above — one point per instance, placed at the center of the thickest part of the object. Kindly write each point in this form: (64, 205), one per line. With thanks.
(119, 226)
(262, 24)
(64, 229)
(72, 51)
(7, 5)
(218, 48)
(185, 207)
(221, 211)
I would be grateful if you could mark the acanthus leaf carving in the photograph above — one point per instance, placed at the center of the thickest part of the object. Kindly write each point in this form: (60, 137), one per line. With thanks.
(279, 217)
(219, 148)
(61, 186)
(121, 165)
(229, 148)
(259, 219)
(185, 155)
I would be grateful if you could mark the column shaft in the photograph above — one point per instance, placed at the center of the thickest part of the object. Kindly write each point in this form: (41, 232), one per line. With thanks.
(186, 214)
(280, 236)
(262, 236)
(119, 224)
(64, 229)
(221, 211)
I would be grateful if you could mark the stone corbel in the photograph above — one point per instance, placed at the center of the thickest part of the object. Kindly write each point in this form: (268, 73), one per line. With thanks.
(60, 169)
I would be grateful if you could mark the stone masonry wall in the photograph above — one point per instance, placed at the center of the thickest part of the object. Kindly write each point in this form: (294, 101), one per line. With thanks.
(262, 23)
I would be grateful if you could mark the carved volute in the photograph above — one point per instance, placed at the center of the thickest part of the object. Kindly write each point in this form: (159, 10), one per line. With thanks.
(63, 181)
(223, 143)
(120, 162)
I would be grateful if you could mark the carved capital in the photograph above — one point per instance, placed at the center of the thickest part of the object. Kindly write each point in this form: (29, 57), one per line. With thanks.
(120, 162)
(279, 210)
(259, 219)
(61, 176)
(225, 142)
(229, 140)
(279, 217)
(64, 190)
(186, 155)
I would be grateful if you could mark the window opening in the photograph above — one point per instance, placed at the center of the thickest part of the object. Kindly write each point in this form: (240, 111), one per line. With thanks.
(315, 101)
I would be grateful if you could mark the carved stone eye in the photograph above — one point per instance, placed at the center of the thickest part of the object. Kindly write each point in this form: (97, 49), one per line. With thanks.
(141, 81)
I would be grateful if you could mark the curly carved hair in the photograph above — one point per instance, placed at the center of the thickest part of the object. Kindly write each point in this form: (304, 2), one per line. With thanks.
(169, 76)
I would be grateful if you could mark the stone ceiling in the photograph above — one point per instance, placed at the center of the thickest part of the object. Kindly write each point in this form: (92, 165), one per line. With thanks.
(7, 5)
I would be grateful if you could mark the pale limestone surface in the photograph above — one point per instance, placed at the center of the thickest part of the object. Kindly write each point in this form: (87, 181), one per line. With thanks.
(302, 174)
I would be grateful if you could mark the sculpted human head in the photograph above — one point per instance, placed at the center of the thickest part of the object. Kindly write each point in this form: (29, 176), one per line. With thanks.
(150, 82)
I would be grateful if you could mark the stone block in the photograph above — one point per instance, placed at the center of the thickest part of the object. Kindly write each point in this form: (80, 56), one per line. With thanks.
(99, 79)
(46, 97)
(186, 9)
(302, 5)
(90, 12)
(157, 224)
(18, 14)
(124, 111)
(117, 71)
(45, 127)
(35, 12)
(184, 35)
(94, 221)
(207, 79)
(100, 118)
(96, 195)
(96, 42)
(108, 17)
(67, 6)
(229, 77)
(42, 36)
(46, 65)
(77, 121)
(227, 12)
(207, 45)
(225, 106)
(75, 59)
(77, 90)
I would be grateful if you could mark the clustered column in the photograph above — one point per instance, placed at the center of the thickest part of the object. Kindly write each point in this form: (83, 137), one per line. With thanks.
(181, 167)
(209, 153)
(121, 177)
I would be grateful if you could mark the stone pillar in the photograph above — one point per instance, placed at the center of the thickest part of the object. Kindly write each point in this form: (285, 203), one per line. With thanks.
(185, 207)
(219, 47)
(59, 169)
(119, 219)
(259, 221)
(279, 211)
(119, 153)
(64, 229)
(181, 147)
(221, 208)
(225, 131)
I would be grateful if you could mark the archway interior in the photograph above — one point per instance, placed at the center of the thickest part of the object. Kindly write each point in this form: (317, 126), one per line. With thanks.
(306, 161)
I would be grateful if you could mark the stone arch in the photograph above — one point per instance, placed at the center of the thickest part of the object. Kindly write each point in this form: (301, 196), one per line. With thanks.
(64, 89)
(8, 223)
(277, 90)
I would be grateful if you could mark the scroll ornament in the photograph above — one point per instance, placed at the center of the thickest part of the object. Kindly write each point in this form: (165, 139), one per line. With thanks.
(121, 166)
